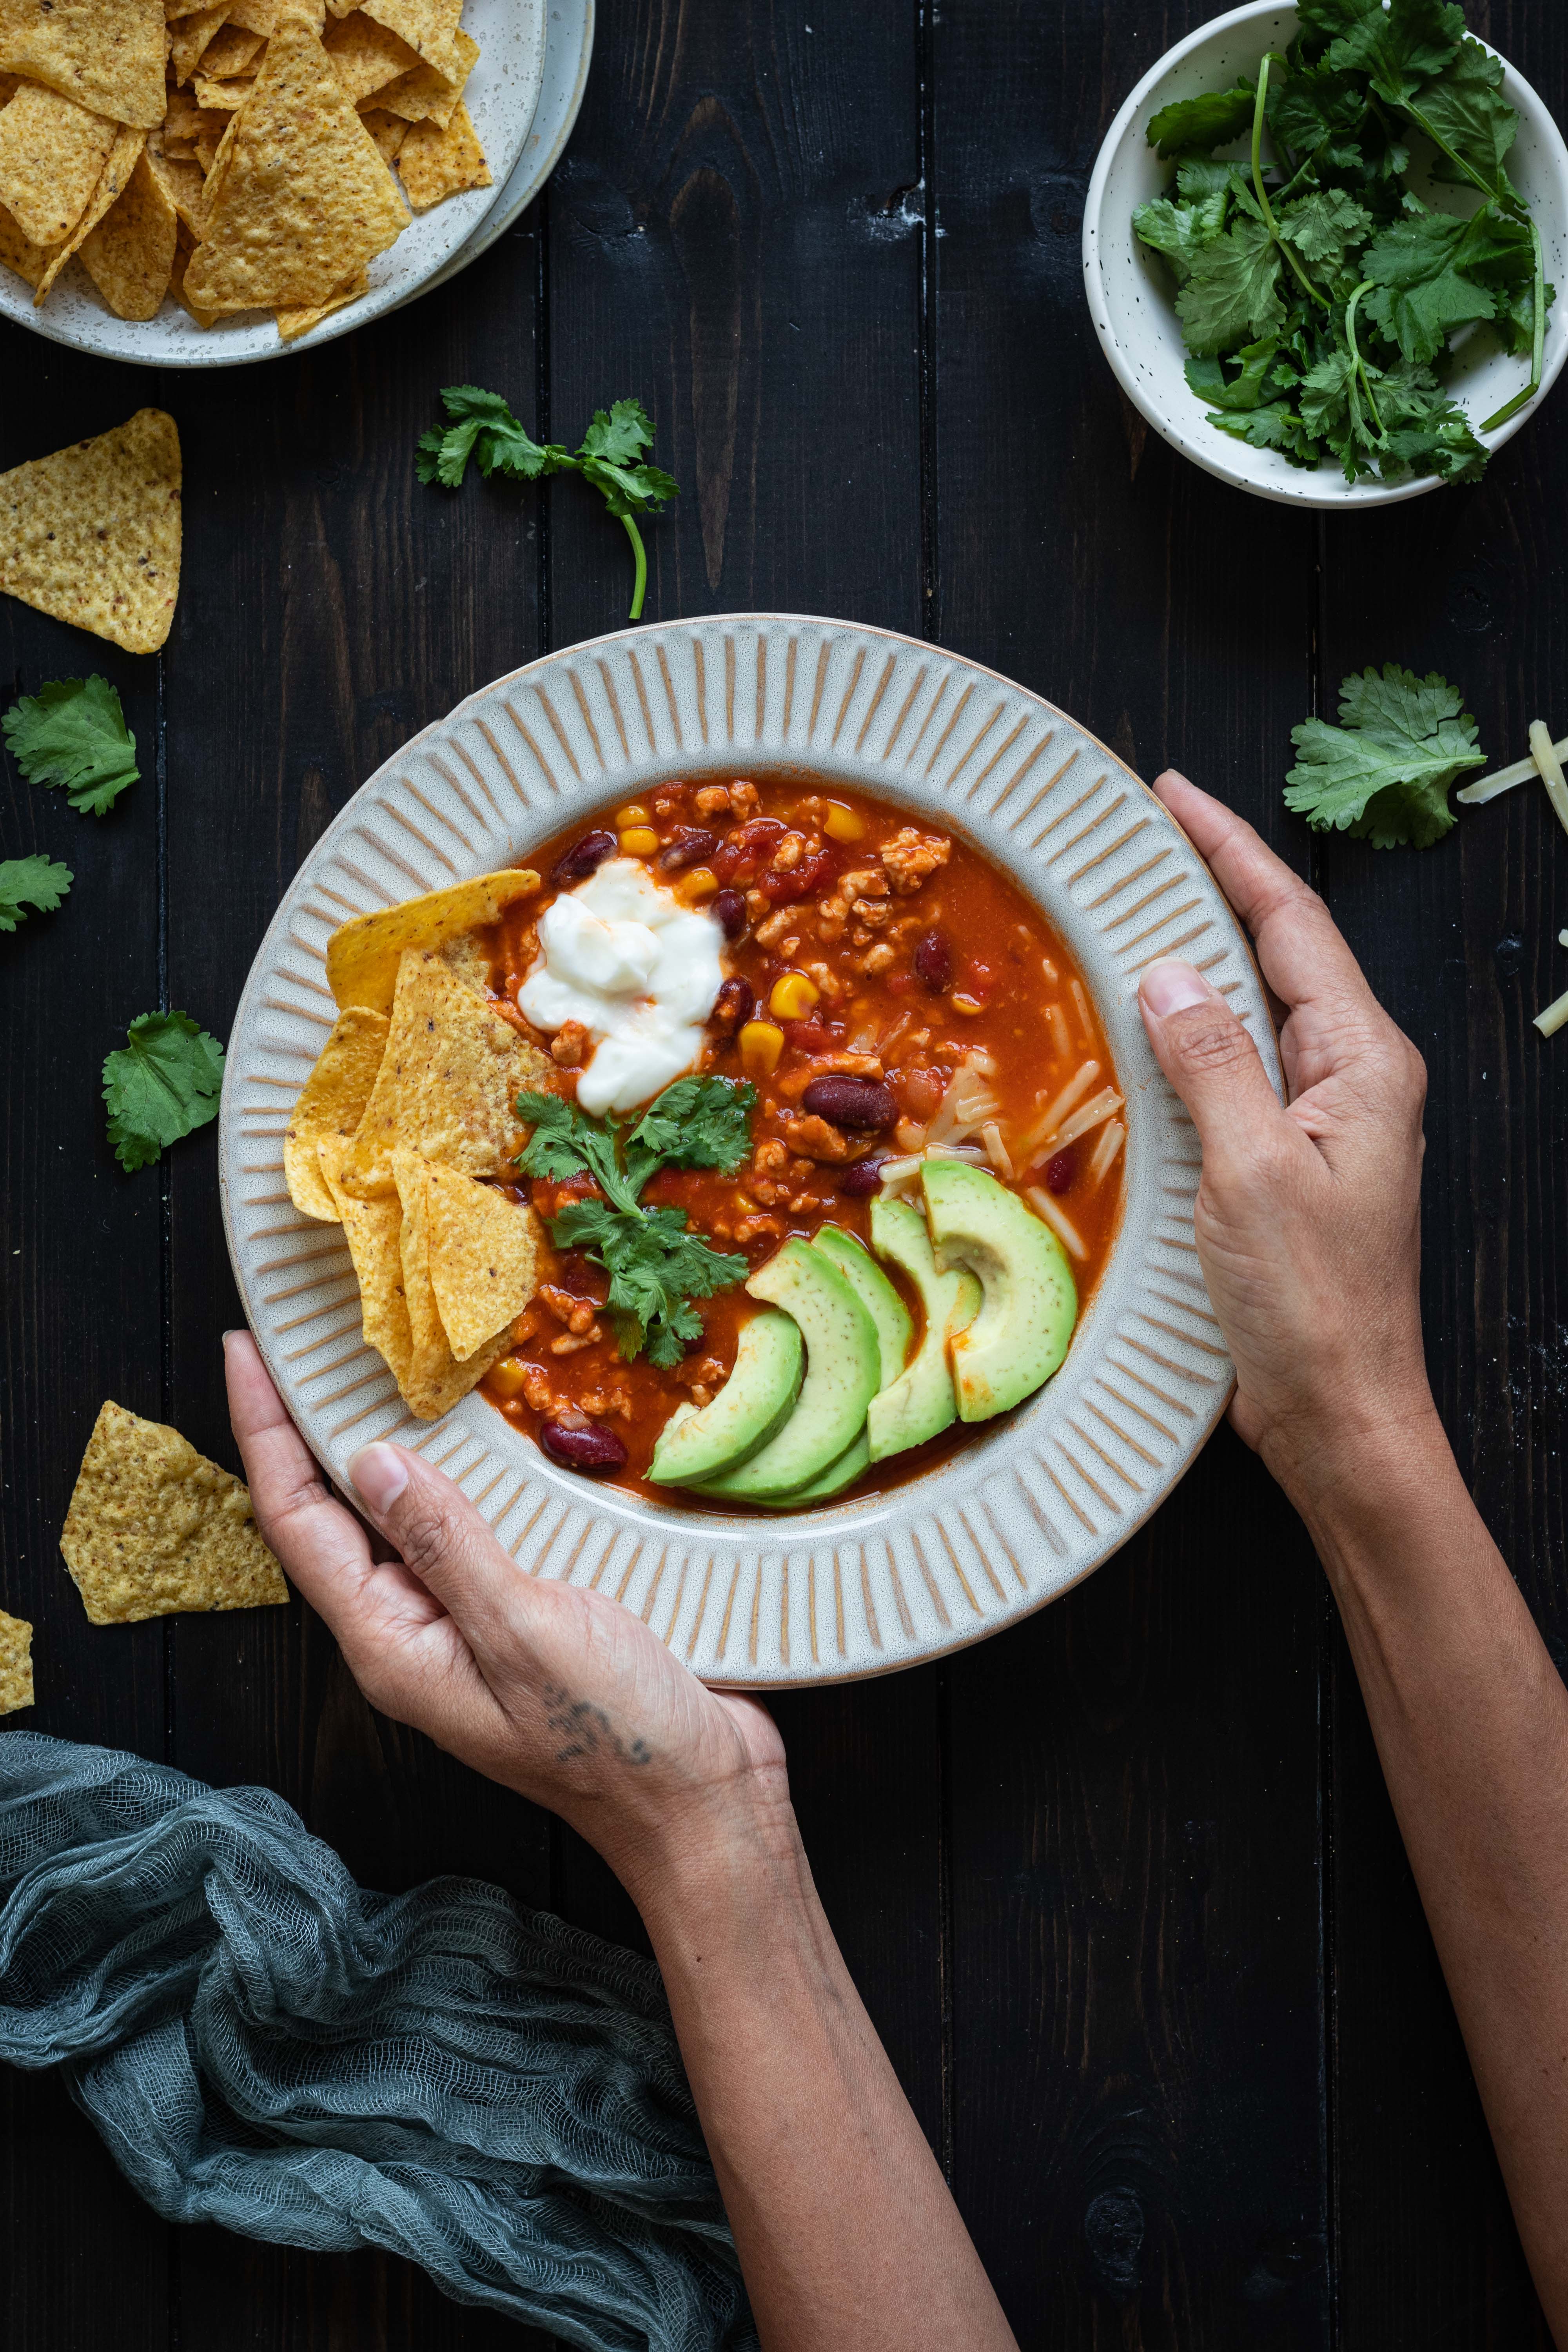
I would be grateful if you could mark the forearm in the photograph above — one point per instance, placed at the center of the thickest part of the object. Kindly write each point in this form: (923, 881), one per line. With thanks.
(1471, 1723)
(846, 2230)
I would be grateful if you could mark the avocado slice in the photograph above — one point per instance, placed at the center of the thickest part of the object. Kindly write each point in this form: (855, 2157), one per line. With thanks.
(1021, 1333)
(855, 1458)
(876, 1293)
(749, 1409)
(922, 1401)
(843, 1365)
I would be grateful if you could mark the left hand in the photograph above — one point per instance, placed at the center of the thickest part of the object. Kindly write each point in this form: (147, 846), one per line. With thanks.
(558, 1693)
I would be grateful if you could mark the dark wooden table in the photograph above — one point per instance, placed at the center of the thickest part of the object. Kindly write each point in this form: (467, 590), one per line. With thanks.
(1123, 1888)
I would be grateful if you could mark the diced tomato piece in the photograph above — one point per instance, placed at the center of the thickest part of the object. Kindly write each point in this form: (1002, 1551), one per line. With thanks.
(898, 983)
(811, 1036)
(748, 848)
(802, 881)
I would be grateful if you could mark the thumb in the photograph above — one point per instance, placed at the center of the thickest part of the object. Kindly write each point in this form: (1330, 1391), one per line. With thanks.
(1208, 1057)
(442, 1540)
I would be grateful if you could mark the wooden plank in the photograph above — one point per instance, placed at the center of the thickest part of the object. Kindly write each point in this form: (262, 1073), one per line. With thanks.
(79, 1309)
(1135, 1849)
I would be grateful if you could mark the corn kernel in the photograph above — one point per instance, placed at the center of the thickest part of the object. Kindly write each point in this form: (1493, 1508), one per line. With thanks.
(761, 1046)
(699, 884)
(506, 1379)
(793, 996)
(639, 840)
(841, 824)
(968, 1005)
(633, 814)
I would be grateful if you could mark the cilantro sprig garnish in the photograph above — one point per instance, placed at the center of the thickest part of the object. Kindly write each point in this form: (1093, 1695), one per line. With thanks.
(1318, 294)
(656, 1266)
(72, 734)
(610, 455)
(1384, 774)
(35, 882)
(162, 1084)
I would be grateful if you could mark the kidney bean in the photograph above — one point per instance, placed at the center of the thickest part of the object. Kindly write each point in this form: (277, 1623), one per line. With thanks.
(933, 961)
(850, 1102)
(862, 1178)
(802, 881)
(687, 849)
(582, 856)
(735, 1002)
(729, 910)
(596, 1448)
(1060, 1172)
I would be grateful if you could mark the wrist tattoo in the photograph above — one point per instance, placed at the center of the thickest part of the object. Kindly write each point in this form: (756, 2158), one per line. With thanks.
(587, 1731)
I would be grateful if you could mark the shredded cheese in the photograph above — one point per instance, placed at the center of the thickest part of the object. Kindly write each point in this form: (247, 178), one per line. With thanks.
(1551, 1020)
(1503, 780)
(1092, 1115)
(1112, 1136)
(1060, 1223)
(1543, 752)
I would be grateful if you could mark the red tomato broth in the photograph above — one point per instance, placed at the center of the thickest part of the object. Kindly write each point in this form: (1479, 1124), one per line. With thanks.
(1002, 954)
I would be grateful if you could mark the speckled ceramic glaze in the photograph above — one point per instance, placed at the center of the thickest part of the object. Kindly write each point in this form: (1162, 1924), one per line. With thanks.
(1132, 295)
(1031, 1505)
(501, 95)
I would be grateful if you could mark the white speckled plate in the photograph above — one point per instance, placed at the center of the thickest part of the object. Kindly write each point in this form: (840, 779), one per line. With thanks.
(1027, 1507)
(501, 96)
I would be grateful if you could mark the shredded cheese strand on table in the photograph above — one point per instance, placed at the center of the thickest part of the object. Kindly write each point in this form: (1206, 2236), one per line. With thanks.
(1543, 752)
(1503, 780)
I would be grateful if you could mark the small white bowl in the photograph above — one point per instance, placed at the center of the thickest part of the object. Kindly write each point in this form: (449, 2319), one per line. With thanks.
(1132, 295)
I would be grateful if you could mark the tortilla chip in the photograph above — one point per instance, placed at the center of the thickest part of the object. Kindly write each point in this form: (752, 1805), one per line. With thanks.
(19, 253)
(331, 1102)
(362, 955)
(261, 16)
(105, 53)
(448, 1082)
(372, 1229)
(294, 323)
(436, 1378)
(175, 9)
(215, 152)
(129, 256)
(91, 534)
(430, 27)
(388, 131)
(343, 7)
(366, 55)
(195, 36)
(424, 95)
(154, 1527)
(183, 183)
(484, 1256)
(222, 97)
(52, 155)
(204, 318)
(16, 1663)
(306, 200)
(112, 183)
(230, 53)
(434, 165)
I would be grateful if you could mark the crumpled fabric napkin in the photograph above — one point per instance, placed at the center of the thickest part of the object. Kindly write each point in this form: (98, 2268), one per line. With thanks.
(263, 2043)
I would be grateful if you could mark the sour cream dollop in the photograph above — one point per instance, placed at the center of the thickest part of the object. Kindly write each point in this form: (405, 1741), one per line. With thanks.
(638, 970)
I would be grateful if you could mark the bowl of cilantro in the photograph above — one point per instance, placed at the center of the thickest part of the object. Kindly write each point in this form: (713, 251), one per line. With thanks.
(1321, 246)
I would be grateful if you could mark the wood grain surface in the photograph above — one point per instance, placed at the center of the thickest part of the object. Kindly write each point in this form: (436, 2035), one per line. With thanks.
(1123, 1888)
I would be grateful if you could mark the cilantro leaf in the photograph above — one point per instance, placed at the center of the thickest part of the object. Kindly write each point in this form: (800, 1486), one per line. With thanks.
(655, 1265)
(1203, 123)
(1324, 114)
(1208, 379)
(566, 1142)
(73, 732)
(1420, 295)
(486, 429)
(699, 1123)
(1398, 47)
(1232, 296)
(30, 882)
(1179, 231)
(1325, 20)
(1384, 774)
(162, 1084)
(1465, 110)
(1324, 225)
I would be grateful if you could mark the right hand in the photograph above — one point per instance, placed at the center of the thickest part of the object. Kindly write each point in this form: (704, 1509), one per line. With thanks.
(1308, 1217)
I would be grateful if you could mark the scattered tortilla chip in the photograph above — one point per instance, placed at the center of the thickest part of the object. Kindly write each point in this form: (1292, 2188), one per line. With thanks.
(305, 199)
(154, 1527)
(435, 1378)
(19, 253)
(222, 97)
(105, 53)
(16, 1663)
(230, 53)
(182, 181)
(91, 534)
(366, 55)
(388, 131)
(52, 155)
(294, 323)
(430, 27)
(129, 256)
(448, 1081)
(112, 183)
(362, 955)
(434, 165)
(188, 44)
(424, 95)
(331, 1102)
(484, 1256)
(372, 1229)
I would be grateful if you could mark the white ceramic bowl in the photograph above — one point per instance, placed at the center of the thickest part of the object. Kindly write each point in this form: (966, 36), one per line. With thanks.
(501, 95)
(1030, 1505)
(1132, 295)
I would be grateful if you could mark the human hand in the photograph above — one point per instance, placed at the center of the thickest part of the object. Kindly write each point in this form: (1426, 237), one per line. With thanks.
(1308, 1217)
(558, 1693)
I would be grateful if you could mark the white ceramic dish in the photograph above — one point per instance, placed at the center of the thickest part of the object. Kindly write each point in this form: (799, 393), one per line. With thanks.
(501, 96)
(1131, 294)
(1030, 1506)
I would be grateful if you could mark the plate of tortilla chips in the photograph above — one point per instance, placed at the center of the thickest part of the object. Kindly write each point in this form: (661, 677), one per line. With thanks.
(197, 186)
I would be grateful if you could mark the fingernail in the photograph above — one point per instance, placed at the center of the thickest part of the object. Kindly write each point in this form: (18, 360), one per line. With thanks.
(1172, 987)
(380, 1473)
(228, 1336)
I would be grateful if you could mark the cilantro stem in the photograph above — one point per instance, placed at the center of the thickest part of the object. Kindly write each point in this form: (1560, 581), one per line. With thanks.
(1511, 407)
(1364, 288)
(1267, 209)
(1512, 202)
(641, 583)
